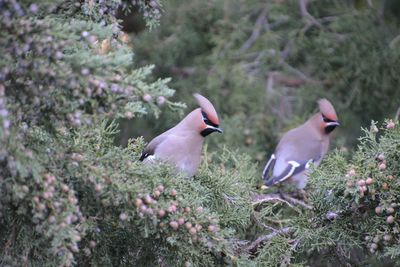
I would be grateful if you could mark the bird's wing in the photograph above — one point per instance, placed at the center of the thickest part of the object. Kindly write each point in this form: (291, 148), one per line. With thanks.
(292, 168)
(267, 172)
(291, 157)
(151, 147)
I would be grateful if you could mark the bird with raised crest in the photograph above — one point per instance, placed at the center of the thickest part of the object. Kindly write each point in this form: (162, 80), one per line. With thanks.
(181, 145)
(301, 147)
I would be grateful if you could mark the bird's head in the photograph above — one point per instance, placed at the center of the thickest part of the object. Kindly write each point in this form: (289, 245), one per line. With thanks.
(206, 118)
(328, 118)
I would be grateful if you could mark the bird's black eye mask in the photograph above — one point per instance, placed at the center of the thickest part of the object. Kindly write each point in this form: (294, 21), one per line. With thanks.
(326, 119)
(329, 128)
(207, 120)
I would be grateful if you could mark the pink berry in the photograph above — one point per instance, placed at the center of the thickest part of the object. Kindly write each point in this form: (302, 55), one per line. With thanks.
(98, 187)
(212, 228)
(173, 193)
(160, 188)
(171, 209)
(188, 225)
(352, 172)
(147, 98)
(174, 225)
(192, 231)
(161, 213)
(157, 193)
(390, 125)
(64, 188)
(143, 208)
(138, 202)
(123, 216)
(161, 101)
(382, 167)
(200, 210)
(148, 199)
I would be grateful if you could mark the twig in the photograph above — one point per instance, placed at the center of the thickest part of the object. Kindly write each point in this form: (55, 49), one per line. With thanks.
(296, 201)
(287, 256)
(290, 201)
(306, 14)
(381, 10)
(285, 52)
(255, 244)
(259, 199)
(11, 240)
(397, 117)
(257, 221)
(262, 18)
(298, 73)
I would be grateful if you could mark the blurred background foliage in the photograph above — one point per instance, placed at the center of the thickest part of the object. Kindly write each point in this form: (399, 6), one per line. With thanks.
(265, 63)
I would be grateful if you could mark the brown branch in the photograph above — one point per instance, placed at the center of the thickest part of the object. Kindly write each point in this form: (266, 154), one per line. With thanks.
(252, 247)
(306, 14)
(300, 74)
(261, 20)
(381, 10)
(259, 199)
(288, 254)
(397, 117)
(11, 239)
(285, 198)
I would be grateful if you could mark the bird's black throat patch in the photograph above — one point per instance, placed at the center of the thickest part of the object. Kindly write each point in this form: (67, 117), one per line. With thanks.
(207, 131)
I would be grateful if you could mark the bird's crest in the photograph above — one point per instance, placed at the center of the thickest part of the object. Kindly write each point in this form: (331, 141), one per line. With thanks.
(208, 108)
(327, 109)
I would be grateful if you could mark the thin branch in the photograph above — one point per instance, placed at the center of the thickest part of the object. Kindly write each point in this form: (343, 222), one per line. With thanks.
(296, 201)
(285, 198)
(9, 243)
(285, 52)
(261, 20)
(381, 10)
(260, 223)
(287, 257)
(397, 117)
(306, 14)
(259, 199)
(299, 73)
(259, 241)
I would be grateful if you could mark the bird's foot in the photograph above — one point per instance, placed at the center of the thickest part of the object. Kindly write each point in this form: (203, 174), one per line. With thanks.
(302, 194)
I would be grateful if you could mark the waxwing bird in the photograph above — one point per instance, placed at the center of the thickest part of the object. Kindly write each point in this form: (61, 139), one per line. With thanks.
(300, 147)
(181, 145)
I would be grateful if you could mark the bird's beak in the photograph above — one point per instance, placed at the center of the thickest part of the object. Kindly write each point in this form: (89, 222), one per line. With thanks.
(218, 130)
(210, 129)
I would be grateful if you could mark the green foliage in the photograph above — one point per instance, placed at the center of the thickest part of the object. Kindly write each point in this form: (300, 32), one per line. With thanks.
(356, 201)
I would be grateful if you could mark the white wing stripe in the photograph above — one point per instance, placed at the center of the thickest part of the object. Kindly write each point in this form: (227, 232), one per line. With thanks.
(294, 166)
(268, 163)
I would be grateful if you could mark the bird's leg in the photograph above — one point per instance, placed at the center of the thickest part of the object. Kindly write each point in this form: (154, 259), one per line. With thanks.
(302, 194)
(280, 192)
